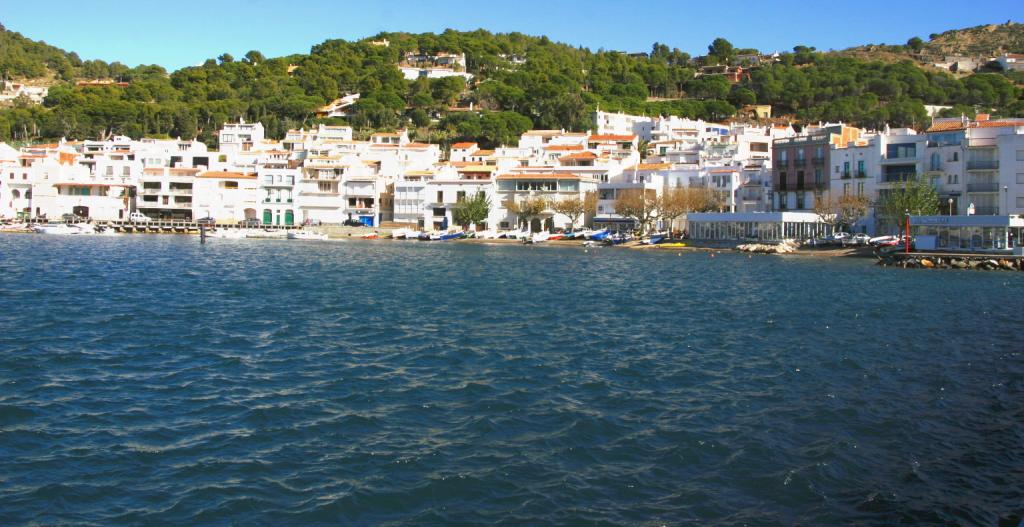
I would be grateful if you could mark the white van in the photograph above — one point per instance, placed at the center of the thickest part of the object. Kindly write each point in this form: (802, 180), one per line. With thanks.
(138, 217)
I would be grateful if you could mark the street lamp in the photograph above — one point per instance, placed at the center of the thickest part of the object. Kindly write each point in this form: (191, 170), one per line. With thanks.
(906, 239)
(950, 206)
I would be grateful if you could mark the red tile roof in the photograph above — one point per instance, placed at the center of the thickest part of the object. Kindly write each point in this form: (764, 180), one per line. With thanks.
(611, 137)
(227, 175)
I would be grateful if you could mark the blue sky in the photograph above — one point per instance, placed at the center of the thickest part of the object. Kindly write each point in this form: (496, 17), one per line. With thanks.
(186, 32)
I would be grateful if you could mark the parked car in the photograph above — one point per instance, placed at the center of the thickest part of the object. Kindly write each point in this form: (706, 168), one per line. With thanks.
(250, 222)
(206, 221)
(138, 217)
(859, 239)
(840, 237)
(72, 218)
(884, 241)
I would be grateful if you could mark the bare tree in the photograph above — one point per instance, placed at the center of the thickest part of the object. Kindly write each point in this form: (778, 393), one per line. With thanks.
(573, 207)
(527, 209)
(640, 205)
(674, 203)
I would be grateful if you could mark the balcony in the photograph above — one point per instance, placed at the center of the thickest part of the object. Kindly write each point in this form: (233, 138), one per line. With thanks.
(983, 187)
(846, 175)
(861, 174)
(150, 192)
(982, 164)
(180, 191)
(818, 161)
(986, 211)
(781, 163)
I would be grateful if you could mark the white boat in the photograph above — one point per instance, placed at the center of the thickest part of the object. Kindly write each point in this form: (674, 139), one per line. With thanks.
(264, 233)
(487, 235)
(306, 235)
(226, 234)
(405, 234)
(538, 237)
(64, 228)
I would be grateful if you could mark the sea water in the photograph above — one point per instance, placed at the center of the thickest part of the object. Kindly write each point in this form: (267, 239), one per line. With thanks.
(154, 380)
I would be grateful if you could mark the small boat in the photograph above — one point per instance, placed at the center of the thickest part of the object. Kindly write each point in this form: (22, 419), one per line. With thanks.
(66, 228)
(672, 244)
(404, 234)
(654, 239)
(307, 235)
(449, 236)
(226, 234)
(370, 236)
(538, 238)
(487, 235)
(616, 239)
(556, 236)
(55, 228)
(599, 235)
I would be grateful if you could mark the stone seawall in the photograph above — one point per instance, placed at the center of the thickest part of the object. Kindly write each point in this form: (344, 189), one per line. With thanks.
(985, 262)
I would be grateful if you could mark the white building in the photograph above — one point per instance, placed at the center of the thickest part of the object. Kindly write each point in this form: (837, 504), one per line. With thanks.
(226, 196)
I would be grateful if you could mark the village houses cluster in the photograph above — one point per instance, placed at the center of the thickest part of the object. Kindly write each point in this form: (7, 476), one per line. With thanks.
(323, 176)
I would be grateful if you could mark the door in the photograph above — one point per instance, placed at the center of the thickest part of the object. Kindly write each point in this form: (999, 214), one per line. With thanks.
(81, 210)
(268, 216)
(289, 217)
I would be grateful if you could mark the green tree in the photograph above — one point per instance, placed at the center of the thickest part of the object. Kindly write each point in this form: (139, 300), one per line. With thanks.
(472, 210)
(722, 50)
(915, 195)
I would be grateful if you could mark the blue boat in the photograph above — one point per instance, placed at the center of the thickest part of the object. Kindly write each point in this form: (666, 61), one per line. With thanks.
(600, 235)
(451, 236)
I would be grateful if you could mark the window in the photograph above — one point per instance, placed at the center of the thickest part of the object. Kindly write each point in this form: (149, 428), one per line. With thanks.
(901, 150)
(126, 171)
(860, 168)
(544, 186)
(230, 184)
(846, 189)
(936, 163)
(1020, 202)
(460, 195)
(440, 196)
(846, 169)
(818, 176)
(110, 170)
(1020, 155)
(860, 188)
(268, 179)
(325, 186)
(1020, 179)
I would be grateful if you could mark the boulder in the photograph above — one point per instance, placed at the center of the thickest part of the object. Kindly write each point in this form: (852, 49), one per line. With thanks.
(927, 263)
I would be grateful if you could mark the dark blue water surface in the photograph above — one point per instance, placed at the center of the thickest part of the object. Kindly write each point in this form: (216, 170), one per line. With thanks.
(151, 380)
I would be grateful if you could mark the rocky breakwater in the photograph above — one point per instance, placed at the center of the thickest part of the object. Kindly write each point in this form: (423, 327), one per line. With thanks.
(783, 247)
(985, 262)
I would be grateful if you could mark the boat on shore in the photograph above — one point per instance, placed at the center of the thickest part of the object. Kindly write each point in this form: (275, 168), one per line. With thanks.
(449, 236)
(600, 235)
(405, 234)
(306, 235)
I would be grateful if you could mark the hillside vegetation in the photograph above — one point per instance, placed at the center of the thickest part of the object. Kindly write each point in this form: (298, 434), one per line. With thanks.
(556, 86)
